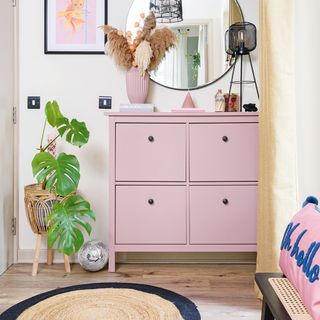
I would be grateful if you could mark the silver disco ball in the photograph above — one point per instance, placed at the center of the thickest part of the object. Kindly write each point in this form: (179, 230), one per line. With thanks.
(93, 255)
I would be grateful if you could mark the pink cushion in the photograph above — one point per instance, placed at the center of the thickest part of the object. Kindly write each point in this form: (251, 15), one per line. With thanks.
(300, 255)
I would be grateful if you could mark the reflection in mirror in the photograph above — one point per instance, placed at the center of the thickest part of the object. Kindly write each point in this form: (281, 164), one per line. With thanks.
(199, 57)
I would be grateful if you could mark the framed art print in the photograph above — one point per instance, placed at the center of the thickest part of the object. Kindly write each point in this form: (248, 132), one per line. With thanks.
(73, 26)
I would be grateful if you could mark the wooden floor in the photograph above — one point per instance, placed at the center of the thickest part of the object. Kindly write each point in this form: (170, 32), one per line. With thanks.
(220, 291)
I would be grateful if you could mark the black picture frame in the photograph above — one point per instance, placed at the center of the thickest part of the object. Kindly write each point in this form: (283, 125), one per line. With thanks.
(48, 50)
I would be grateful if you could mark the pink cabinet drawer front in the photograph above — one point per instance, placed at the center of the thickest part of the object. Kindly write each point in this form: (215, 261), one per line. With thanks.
(224, 152)
(151, 215)
(150, 152)
(223, 214)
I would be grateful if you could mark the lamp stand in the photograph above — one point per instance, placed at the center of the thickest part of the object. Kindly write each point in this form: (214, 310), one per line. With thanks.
(242, 82)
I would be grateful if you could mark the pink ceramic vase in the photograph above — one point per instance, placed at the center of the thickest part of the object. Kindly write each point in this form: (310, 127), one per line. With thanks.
(137, 86)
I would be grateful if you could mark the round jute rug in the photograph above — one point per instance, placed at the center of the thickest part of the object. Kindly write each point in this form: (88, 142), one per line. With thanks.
(107, 301)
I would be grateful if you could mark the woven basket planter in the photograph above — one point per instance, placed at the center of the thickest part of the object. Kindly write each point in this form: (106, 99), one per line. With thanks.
(38, 204)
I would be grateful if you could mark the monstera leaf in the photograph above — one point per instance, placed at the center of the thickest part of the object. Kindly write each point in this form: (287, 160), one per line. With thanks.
(62, 173)
(53, 113)
(75, 132)
(65, 222)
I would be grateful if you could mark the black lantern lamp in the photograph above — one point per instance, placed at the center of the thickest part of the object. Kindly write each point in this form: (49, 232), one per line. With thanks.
(241, 39)
(167, 11)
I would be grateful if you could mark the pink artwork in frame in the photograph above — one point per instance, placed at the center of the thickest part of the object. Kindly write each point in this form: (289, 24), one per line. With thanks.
(73, 26)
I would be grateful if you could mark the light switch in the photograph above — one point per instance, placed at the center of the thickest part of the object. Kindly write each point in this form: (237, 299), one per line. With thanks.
(34, 102)
(105, 102)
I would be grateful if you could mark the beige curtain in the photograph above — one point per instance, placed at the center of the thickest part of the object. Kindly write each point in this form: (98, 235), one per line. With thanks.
(278, 167)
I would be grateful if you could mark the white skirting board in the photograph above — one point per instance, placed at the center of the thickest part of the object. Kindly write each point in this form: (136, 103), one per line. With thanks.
(2, 270)
(27, 255)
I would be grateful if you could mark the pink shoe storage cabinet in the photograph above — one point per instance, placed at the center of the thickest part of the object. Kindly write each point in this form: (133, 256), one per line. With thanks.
(182, 182)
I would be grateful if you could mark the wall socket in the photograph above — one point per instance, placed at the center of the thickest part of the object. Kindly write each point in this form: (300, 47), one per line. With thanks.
(34, 102)
(105, 102)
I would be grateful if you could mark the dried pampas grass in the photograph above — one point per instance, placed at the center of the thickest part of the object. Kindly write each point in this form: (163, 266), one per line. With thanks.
(106, 29)
(143, 56)
(161, 40)
(150, 23)
(119, 49)
(146, 51)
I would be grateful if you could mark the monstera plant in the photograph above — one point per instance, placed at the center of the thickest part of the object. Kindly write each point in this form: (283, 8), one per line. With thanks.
(60, 176)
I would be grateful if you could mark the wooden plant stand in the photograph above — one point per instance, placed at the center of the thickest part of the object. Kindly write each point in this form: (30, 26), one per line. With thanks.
(49, 257)
(38, 205)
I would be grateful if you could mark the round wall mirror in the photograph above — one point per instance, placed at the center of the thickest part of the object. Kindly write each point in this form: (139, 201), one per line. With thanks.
(199, 58)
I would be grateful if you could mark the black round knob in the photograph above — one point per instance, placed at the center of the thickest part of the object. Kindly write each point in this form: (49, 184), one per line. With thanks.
(151, 201)
(225, 201)
(151, 138)
(225, 139)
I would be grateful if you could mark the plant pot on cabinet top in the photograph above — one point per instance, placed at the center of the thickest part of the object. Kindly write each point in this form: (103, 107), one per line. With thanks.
(137, 86)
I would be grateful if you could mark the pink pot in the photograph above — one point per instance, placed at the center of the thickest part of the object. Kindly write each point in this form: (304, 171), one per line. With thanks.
(137, 86)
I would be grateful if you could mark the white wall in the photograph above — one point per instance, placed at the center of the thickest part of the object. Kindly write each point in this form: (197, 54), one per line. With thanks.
(76, 82)
(307, 89)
